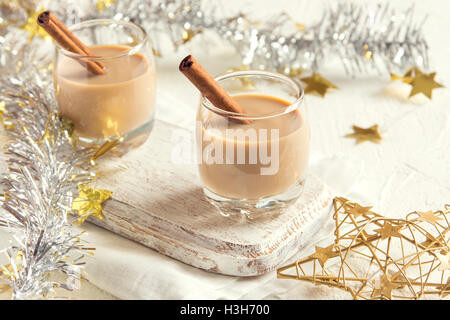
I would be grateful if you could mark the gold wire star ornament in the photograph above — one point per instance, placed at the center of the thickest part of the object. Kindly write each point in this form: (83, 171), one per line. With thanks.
(317, 84)
(420, 82)
(365, 134)
(89, 202)
(374, 257)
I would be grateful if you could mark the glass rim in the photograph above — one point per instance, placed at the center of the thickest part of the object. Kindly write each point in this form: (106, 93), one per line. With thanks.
(92, 22)
(266, 74)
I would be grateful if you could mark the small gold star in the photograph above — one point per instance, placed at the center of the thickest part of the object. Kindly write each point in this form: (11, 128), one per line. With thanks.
(156, 52)
(420, 82)
(407, 77)
(32, 27)
(358, 210)
(300, 26)
(103, 4)
(428, 216)
(387, 286)
(388, 230)
(424, 83)
(444, 260)
(362, 134)
(323, 254)
(89, 202)
(317, 84)
(187, 36)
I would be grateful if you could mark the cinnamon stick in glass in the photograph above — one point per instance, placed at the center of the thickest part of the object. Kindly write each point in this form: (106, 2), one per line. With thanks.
(66, 39)
(210, 88)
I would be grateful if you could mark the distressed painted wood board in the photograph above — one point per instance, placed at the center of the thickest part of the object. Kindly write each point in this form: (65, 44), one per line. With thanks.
(160, 204)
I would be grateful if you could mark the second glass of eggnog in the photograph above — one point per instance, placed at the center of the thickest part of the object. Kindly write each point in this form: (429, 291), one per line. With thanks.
(254, 162)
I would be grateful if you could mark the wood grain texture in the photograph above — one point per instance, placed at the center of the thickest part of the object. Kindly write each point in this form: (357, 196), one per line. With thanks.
(160, 204)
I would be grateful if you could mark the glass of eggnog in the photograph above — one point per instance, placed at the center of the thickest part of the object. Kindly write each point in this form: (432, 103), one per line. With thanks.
(117, 104)
(254, 162)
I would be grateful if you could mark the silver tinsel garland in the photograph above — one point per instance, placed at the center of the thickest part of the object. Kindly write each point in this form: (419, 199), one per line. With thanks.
(362, 37)
(44, 169)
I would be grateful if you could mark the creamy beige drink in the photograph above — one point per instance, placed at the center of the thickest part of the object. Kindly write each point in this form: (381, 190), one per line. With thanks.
(103, 106)
(284, 139)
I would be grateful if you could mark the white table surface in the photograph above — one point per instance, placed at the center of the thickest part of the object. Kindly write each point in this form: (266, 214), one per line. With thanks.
(408, 171)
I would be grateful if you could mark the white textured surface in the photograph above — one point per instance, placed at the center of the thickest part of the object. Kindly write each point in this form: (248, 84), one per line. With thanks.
(409, 170)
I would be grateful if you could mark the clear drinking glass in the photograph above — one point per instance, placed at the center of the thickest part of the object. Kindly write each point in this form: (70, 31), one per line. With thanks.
(257, 167)
(119, 104)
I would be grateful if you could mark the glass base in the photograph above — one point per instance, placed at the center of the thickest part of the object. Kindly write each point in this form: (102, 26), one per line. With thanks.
(256, 208)
(128, 142)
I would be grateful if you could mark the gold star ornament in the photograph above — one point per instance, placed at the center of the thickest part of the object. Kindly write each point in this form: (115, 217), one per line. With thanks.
(365, 134)
(317, 84)
(388, 231)
(428, 216)
(359, 210)
(387, 286)
(420, 82)
(89, 202)
(323, 254)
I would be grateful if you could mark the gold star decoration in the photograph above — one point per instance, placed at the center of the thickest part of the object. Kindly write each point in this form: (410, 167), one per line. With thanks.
(365, 134)
(421, 82)
(358, 210)
(388, 231)
(428, 217)
(32, 27)
(317, 84)
(407, 77)
(187, 36)
(300, 26)
(89, 202)
(103, 4)
(368, 268)
(323, 254)
(387, 286)
(156, 52)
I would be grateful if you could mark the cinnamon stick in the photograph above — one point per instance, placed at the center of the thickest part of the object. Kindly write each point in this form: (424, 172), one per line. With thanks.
(66, 39)
(210, 88)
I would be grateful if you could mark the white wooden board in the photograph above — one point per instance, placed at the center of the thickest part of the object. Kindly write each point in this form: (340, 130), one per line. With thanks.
(161, 205)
